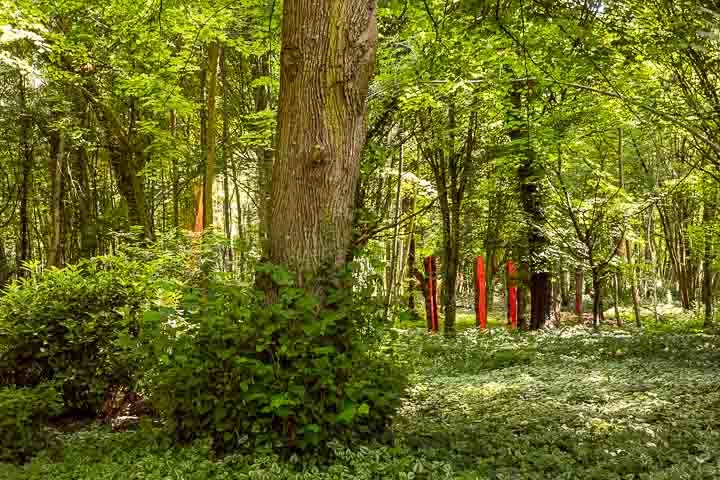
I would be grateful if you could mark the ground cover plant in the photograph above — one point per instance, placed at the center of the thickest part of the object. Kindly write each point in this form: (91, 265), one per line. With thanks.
(571, 403)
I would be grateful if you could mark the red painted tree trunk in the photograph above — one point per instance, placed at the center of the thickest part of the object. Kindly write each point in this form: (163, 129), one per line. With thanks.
(480, 292)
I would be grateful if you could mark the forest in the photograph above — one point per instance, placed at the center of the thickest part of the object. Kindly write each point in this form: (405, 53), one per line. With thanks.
(359, 239)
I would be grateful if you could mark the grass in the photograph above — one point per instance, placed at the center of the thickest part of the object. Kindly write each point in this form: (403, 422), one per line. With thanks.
(464, 320)
(569, 403)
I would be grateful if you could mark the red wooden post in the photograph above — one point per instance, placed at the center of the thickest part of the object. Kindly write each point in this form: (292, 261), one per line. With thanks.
(512, 294)
(480, 302)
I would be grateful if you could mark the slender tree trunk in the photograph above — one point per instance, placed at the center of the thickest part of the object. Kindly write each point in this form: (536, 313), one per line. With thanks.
(449, 255)
(88, 238)
(450, 291)
(707, 294)
(327, 60)
(199, 188)
(597, 297)
(261, 69)
(81, 187)
(411, 270)
(579, 287)
(175, 174)
(131, 186)
(56, 168)
(240, 227)
(27, 160)
(564, 280)
(4, 267)
(620, 242)
(410, 257)
(211, 158)
(616, 300)
(633, 282)
(522, 303)
(396, 236)
(226, 161)
(557, 299)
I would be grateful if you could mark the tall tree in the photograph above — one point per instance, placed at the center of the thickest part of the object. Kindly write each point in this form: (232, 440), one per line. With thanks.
(327, 61)
(210, 135)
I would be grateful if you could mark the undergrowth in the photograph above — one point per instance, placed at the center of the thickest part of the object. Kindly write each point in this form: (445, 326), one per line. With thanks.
(568, 403)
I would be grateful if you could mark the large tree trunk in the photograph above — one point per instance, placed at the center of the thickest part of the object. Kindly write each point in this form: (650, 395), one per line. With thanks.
(540, 299)
(450, 218)
(211, 136)
(529, 175)
(327, 60)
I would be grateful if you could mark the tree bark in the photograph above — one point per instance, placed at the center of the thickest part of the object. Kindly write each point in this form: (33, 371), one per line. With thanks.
(211, 136)
(396, 237)
(226, 162)
(633, 282)
(579, 287)
(564, 279)
(707, 284)
(130, 185)
(175, 174)
(88, 234)
(529, 174)
(411, 270)
(327, 61)
(4, 267)
(56, 168)
(597, 297)
(522, 295)
(27, 160)
(261, 93)
(409, 259)
(616, 300)
(556, 299)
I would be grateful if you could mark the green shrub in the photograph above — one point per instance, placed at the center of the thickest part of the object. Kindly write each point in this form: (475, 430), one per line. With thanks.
(288, 376)
(62, 325)
(79, 325)
(23, 414)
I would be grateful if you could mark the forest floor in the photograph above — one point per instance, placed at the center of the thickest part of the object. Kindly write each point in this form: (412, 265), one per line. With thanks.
(568, 403)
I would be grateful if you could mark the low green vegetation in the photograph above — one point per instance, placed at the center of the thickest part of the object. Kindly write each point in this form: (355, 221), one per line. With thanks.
(568, 403)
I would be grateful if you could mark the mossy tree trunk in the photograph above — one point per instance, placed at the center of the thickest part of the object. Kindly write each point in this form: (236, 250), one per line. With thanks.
(327, 61)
